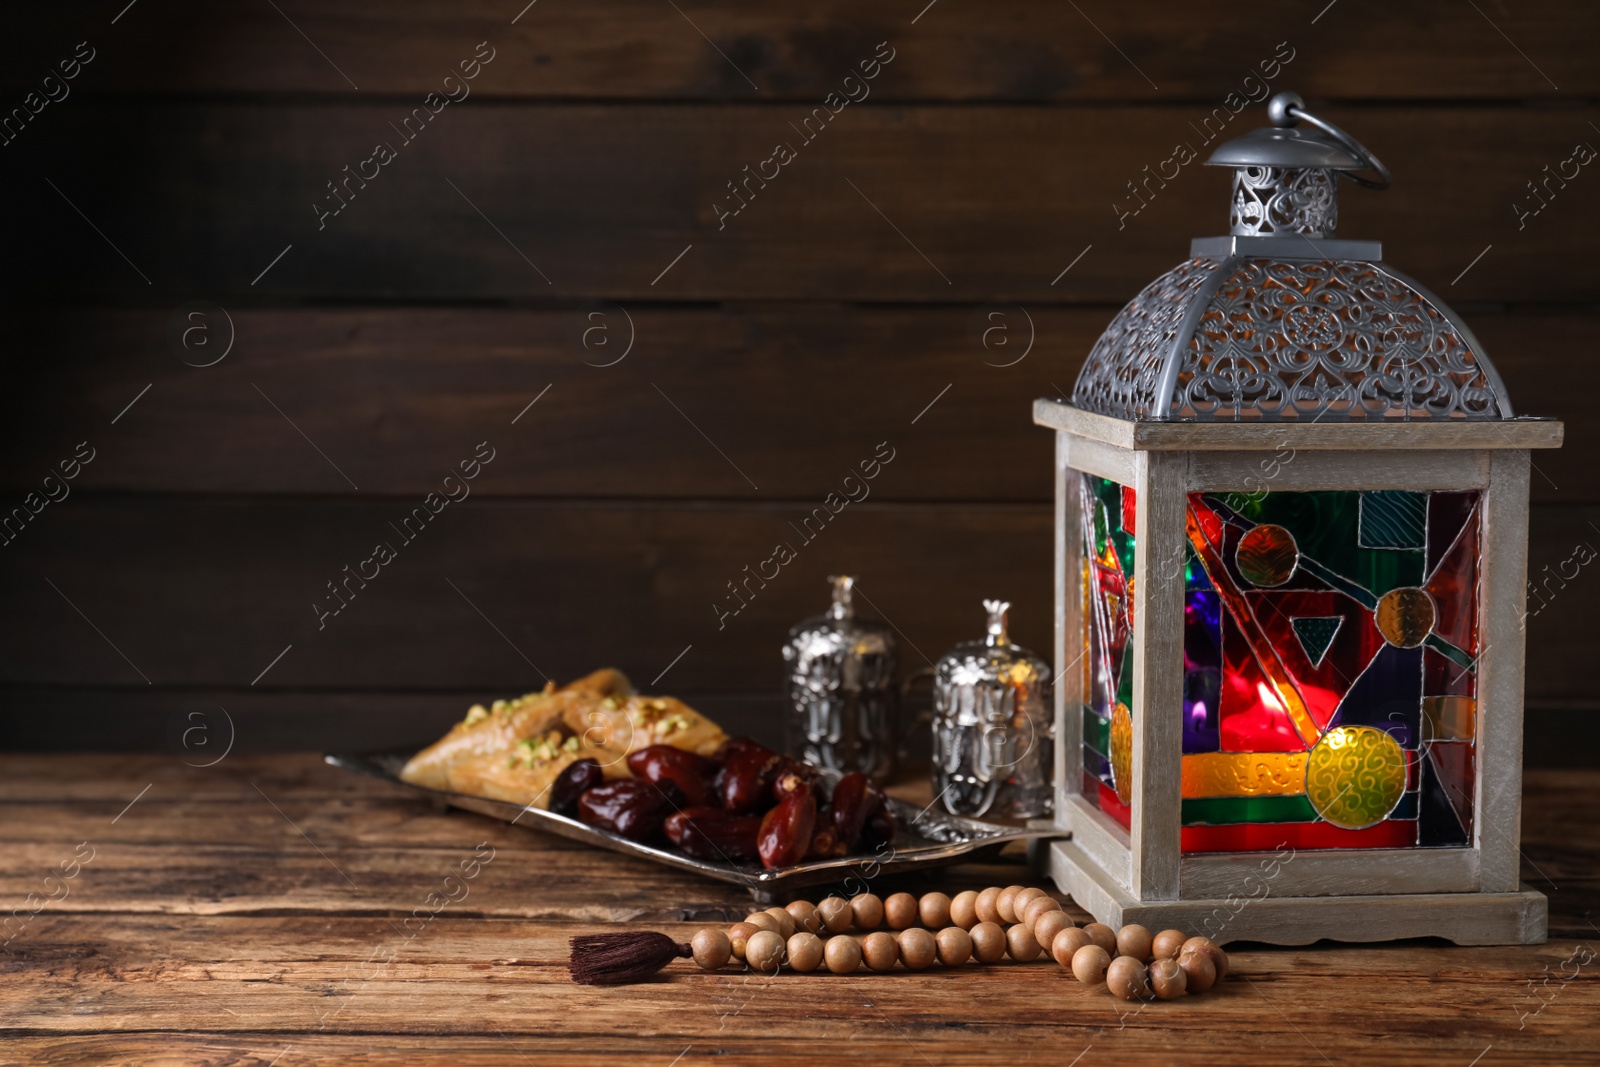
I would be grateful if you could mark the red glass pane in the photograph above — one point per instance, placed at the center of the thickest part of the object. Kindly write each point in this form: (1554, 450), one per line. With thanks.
(1447, 514)
(1253, 717)
(1264, 837)
(1095, 789)
(1442, 677)
(1354, 643)
(1453, 585)
(1453, 763)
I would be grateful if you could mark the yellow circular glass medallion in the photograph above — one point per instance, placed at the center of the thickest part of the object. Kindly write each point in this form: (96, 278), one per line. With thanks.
(1355, 776)
(1406, 617)
(1122, 752)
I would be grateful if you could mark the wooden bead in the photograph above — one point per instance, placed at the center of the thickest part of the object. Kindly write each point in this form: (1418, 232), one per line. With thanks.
(842, 954)
(1168, 944)
(738, 934)
(805, 952)
(900, 911)
(711, 948)
(934, 910)
(880, 950)
(1040, 905)
(762, 921)
(1102, 935)
(764, 951)
(984, 907)
(1021, 944)
(1066, 945)
(955, 946)
(1134, 940)
(804, 915)
(1198, 971)
(866, 911)
(1048, 925)
(1219, 958)
(1126, 978)
(1020, 902)
(1168, 979)
(785, 922)
(964, 909)
(835, 914)
(1089, 964)
(1004, 902)
(988, 942)
(918, 949)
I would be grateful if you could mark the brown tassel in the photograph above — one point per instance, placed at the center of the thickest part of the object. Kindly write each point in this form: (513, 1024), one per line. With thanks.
(619, 959)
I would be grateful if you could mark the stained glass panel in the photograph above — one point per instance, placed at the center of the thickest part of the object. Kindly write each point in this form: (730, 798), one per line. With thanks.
(1330, 650)
(1108, 511)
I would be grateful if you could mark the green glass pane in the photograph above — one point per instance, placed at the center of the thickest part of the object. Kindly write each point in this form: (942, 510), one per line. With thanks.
(1096, 732)
(1394, 518)
(1109, 493)
(1101, 529)
(1327, 528)
(1220, 811)
(1456, 655)
(1125, 677)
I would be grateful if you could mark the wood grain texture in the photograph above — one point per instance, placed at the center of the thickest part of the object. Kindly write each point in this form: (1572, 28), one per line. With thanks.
(1502, 615)
(1008, 50)
(596, 145)
(492, 596)
(1294, 469)
(205, 197)
(204, 594)
(208, 593)
(1068, 684)
(198, 723)
(1355, 872)
(230, 940)
(1157, 613)
(796, 394)
(1424, 435)
(1095, 835)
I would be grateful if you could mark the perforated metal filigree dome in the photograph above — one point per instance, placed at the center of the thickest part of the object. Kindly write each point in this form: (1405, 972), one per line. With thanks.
(1281, 322)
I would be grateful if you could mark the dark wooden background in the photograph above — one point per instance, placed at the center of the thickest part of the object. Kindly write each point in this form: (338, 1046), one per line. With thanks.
(822, 320)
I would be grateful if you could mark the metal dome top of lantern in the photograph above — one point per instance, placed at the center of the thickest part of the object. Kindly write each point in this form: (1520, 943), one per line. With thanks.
(1282, 322)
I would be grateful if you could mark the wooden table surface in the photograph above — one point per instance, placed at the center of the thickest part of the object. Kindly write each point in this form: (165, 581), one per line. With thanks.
(254, 912)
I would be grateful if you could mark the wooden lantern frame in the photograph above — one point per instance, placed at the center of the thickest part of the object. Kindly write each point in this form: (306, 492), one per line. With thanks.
(1469, 895)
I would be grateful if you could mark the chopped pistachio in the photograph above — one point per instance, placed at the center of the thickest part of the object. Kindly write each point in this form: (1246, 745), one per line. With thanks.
(475, 714)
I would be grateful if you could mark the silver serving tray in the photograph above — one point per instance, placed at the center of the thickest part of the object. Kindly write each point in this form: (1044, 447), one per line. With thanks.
(926, 838)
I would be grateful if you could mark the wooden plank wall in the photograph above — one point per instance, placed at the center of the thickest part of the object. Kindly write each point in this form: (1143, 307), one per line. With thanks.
(703, 380)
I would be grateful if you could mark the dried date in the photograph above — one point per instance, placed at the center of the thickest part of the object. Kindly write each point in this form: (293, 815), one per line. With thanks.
(786, 830)
(692, 775)
(630, 808)
(825, 843)
(741, 746)
(790, 774)
(711, 834)
(578, 777)
(744, 784)
(881, 828)
(855, 800)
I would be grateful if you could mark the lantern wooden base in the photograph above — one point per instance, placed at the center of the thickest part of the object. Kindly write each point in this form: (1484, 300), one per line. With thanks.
(1515, 918)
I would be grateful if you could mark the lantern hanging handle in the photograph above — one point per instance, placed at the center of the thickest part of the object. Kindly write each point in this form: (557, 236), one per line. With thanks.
(1287, 109)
